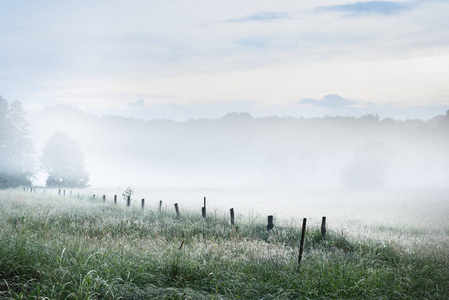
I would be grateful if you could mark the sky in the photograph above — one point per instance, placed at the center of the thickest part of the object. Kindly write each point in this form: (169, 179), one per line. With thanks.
(190, 59)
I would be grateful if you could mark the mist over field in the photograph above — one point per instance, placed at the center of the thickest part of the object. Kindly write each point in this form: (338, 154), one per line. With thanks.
(143, 145)
(239, 151)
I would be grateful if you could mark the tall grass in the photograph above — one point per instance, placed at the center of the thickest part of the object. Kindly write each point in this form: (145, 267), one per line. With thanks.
(67, 248)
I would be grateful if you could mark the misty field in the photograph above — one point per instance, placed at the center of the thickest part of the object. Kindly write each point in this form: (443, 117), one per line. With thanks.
(55, 247)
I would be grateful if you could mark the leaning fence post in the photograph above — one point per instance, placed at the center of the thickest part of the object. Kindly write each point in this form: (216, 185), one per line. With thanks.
(270, 224)
(323, 228)
(301, 244)
(177, 210)
(231, 211)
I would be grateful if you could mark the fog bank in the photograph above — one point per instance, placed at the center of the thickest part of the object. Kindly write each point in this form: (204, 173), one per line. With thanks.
(238, 150)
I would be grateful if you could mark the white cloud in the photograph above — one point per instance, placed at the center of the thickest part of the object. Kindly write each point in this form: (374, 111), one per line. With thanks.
(332, 101)
(98, 56)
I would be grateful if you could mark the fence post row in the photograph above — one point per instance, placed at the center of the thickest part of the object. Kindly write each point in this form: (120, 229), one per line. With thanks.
(270, 224)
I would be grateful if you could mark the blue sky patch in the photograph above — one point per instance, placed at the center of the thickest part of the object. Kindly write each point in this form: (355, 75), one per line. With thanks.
(262, 17)
(370, 7)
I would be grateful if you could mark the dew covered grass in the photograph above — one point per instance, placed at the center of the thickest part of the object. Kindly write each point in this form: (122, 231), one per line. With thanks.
(54, 247)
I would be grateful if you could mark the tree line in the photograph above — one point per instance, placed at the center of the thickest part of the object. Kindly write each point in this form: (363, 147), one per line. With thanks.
(241, 150)
(61, 158)
(235, 149)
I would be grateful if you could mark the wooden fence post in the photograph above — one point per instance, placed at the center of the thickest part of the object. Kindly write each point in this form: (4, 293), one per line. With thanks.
(177, 210)
(143, 203)
(160, 205)
(128, 201)
(104, 198)
(64, 193)
(93, 198)
(115, 199)
(301, 244)
(59, 193)
(231, 211)
(203, 210)
(270, 224)
(323, 228)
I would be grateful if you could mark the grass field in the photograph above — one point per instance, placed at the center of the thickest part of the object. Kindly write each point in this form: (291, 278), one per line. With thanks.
(54, 247)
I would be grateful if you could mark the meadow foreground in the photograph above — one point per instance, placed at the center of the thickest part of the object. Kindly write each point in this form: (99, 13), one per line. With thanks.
(54, 247)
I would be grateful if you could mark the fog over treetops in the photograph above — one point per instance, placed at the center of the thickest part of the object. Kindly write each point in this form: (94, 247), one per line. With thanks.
(239, 150)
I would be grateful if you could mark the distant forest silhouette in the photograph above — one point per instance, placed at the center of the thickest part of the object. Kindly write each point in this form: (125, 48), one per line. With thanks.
(237, 149)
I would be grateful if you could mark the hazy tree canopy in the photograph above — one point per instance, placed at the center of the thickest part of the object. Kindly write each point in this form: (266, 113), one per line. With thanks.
(63, 160)
(16, 147)
(367, 168)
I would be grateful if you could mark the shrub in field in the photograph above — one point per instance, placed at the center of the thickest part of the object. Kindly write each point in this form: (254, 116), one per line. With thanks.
(127, 193)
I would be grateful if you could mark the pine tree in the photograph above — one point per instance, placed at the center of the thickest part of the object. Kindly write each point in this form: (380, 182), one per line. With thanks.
(16, 147)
